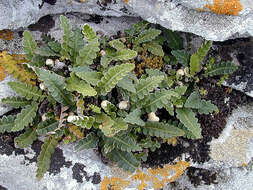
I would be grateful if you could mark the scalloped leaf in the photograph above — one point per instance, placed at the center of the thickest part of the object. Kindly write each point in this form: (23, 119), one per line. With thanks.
(15, 102)
(89, 52)
(7, 123)
(44, 159)
(113, 76)
(159, 99)
(182, 56)
(75, 84)
(67, 35)
(187, 117)
(162, 130)
(144, 86)
(175, 41)
(127, 84)
(117, 44)
(134, 118)
(25, 117)
(155, 48)
(56, 85)
(26, 139)
(204, 107)
(91, 77)
(124, 55)
(125, 160)
(224, 68)
(84, 122)
(147, 36)
(29, 92)
(29, 45)
(90, 141)
(123, 142)
(198, 57)
(47, 126)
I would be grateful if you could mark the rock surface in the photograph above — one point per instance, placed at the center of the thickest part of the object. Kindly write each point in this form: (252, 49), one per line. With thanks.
(234, 18)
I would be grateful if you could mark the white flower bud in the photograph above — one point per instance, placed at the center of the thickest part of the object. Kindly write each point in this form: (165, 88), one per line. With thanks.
(72, 118)
(123, 40)
(43, 117)
(58, 64)
(180, 72)
(104, 104)
(152, 117)
(123, 105)
(102, 52)
(49, 62)
(42, 86)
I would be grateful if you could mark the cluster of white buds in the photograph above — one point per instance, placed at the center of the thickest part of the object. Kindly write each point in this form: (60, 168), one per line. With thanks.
(152, 117)
(72, 118)
(44, 117)
(102, 52)
(104, 103)
(123, 105)
(50, 62)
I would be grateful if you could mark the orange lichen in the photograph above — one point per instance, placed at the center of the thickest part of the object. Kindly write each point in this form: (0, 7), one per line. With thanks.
(2, 74)
(159, 177)
(114, 183)
(6, 34)
(13, 65)
(226, 7)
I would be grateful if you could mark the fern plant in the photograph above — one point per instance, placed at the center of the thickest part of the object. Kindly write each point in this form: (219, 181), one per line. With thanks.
(98, 98)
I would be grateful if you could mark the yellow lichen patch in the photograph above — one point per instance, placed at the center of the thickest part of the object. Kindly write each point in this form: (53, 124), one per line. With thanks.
(12, 64)
(76, 131)
(226, 7)
(114, 183)
(159, 177)
(2, 74)
(172, 141)
(6, 34)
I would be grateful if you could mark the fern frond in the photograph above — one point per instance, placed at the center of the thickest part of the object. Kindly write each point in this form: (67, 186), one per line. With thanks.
(7, 123)
(175, 41)
(182, 56)
(159, 99)
(25, 117)
(91, 77)
(29, 45)
(29, 92)
(123, 142)
(134, 118)
(15, 102)
(125, 160)
(26, 139)
(46, 126)
(76, 43)
(67, 35)
(89, 33)
(124, 55)
(44, 158)
(75, 84)
(224, 68)
(90, 141)
(162, 130)
(16, 70)
(113, 76)
(144, 86)
(198, 57)
(56, 85)
(187, 117)
(127, 84)
(147, 36)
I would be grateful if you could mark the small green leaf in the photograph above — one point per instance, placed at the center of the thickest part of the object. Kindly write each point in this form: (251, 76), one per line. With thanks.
(174, 40)
(224, 68)
(182, 56)
(147, 36)
(91, 77)
(124, 55)
(15, 102)
(155, 48)
(29, 45)
(90, 141)
(47, 126)
(117, 44)
(7, 123)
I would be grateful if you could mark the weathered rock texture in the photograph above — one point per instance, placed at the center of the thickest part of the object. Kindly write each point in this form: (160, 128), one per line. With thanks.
(216, 20)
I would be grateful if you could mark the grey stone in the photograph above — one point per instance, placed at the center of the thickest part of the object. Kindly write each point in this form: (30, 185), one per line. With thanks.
(180, 15)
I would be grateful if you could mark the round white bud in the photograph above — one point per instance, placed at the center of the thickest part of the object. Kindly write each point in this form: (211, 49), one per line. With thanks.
(104, 104)
(123, 105)
(42, 86)
(43, 117)
(152, 117)
(180, 72)
(49, 62)
(102, 52)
